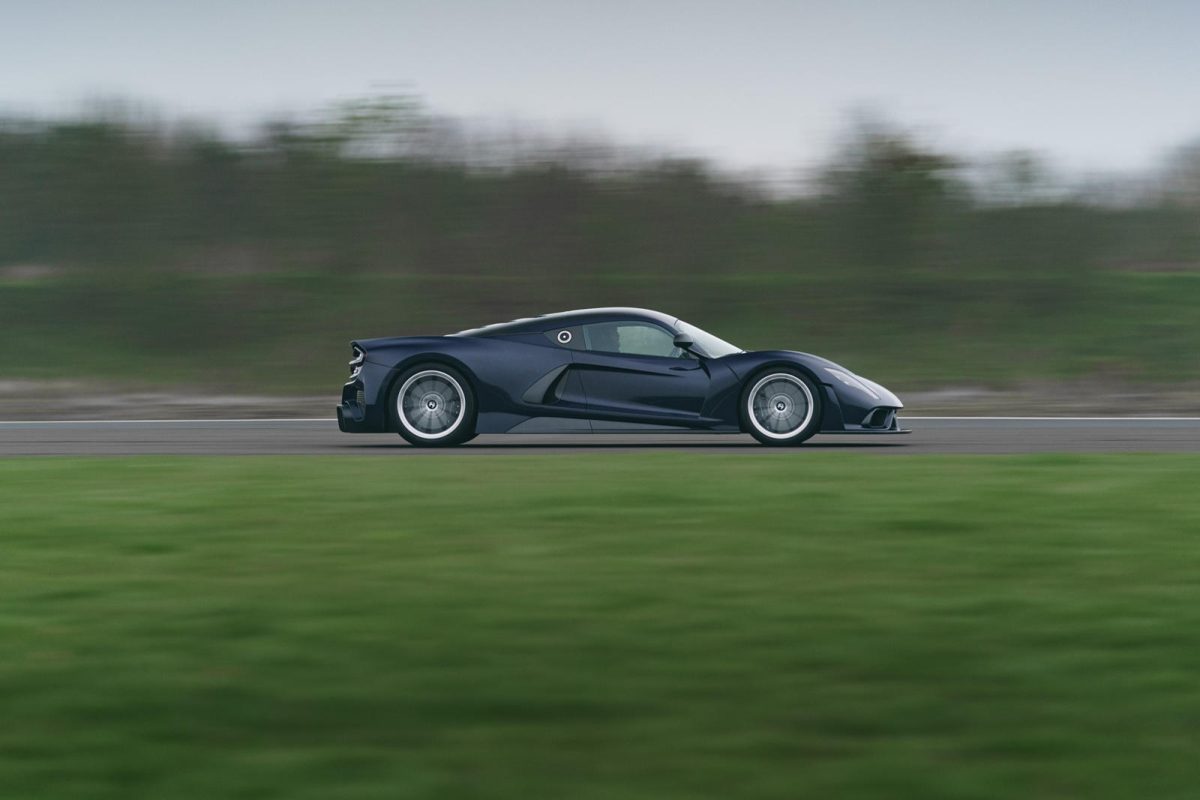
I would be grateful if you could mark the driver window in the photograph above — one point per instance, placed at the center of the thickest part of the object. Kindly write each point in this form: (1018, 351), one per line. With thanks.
(630, 338)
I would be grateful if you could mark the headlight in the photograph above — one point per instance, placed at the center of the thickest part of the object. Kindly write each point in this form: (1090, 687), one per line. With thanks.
(852, 382)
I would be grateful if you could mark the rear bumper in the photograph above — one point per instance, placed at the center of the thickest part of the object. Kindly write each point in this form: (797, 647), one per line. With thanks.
(352, 419)
(363, 408)
(352, 414)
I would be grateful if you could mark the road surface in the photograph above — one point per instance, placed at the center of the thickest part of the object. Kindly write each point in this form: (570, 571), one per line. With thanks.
(321, 437)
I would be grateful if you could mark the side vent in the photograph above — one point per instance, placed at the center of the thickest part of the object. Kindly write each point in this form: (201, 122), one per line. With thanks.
(543, 391)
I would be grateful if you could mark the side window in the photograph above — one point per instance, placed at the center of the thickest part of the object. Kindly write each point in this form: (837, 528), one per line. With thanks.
(630, 338)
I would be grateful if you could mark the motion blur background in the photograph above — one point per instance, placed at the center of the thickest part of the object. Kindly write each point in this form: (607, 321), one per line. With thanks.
(982, 205)
(217, 196)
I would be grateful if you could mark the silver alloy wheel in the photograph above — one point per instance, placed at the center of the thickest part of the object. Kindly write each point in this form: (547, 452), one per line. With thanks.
(431, 404)
(780, 405)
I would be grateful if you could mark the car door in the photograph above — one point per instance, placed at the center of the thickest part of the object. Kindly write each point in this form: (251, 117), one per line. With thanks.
(632, 370)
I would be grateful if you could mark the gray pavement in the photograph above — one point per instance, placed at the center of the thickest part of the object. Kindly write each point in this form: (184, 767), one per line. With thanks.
(321, 437)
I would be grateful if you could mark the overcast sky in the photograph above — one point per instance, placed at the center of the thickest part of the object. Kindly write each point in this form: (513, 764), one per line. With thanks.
(1097, 84)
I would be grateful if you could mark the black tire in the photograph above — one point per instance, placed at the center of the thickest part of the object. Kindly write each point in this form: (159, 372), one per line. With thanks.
(777, 393)
(448, 409)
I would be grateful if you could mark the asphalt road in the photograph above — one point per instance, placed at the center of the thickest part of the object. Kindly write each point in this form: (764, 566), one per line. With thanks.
(321, 437)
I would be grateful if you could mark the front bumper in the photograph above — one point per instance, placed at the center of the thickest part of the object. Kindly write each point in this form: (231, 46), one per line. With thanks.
(868, 432)
(880, 419)
(851, 411)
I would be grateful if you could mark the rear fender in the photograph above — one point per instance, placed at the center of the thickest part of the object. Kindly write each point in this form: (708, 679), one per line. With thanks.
(389, 384)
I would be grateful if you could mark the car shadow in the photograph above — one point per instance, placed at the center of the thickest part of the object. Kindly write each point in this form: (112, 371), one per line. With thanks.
(676, 446)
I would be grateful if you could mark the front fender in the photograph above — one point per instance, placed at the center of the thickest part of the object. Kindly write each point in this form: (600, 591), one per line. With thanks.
(847, 405)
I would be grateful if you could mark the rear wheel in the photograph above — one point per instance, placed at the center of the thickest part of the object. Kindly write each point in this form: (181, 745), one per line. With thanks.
(433, 406)
(781, 407)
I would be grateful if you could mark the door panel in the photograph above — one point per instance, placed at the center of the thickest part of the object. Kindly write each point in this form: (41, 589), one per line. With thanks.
(642, 386)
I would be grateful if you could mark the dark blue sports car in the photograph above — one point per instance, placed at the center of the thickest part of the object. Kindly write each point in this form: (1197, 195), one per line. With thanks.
(601, 369)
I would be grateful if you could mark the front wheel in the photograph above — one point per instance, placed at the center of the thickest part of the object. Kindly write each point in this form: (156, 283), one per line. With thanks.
(781, 407)
(433, 406)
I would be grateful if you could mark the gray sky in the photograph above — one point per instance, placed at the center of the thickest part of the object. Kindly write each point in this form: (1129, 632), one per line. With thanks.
(1095, 84)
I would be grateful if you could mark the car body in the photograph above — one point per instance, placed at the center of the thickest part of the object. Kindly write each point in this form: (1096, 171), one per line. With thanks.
(601, 369)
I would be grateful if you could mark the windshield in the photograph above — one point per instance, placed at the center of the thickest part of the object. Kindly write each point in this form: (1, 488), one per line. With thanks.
(705, 342)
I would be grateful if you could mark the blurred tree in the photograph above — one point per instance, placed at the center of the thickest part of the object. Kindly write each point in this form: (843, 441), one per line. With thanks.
(1014, 178)
(894, 202)
(1182, 179)
(380, 216)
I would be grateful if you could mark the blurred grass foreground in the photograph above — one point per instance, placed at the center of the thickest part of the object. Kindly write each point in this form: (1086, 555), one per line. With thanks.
(652, 626)
(159, 255)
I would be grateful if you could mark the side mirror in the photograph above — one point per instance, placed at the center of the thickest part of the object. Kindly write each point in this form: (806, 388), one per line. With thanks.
(684, 342)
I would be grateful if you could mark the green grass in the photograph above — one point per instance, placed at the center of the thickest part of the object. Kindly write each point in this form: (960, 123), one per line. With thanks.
(654, 626)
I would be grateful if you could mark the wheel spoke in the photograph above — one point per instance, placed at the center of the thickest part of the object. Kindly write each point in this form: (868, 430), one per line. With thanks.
(430, 404)
(780, 405)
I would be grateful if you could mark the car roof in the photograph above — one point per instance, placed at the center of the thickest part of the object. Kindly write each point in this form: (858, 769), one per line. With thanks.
(568, 319)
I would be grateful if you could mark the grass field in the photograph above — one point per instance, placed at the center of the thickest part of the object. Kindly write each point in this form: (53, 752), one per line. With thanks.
(652, 626)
